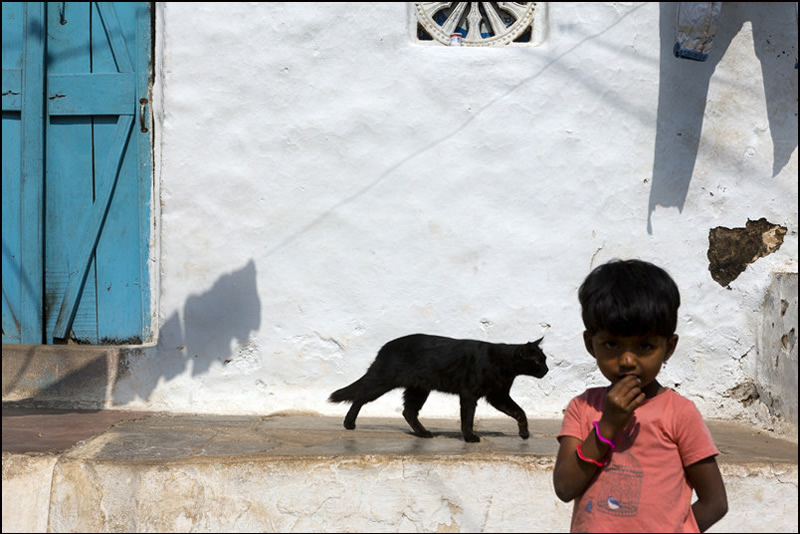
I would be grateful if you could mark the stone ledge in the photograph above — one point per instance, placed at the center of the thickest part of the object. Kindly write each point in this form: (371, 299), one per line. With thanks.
(305, 473)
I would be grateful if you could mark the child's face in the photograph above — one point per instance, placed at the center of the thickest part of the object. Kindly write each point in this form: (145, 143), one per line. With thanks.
(619, 356)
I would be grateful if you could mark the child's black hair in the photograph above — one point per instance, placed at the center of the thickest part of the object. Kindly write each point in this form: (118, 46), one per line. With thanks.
(629, 297)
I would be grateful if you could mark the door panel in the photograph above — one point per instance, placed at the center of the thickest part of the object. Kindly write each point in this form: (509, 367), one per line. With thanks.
(23, 170)
(69, 180)
(94, 189)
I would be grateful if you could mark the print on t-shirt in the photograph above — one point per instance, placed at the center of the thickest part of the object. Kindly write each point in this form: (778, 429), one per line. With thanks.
(620, 490)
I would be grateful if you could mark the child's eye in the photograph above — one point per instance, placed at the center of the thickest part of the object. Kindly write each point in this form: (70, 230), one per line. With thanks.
(610, 345)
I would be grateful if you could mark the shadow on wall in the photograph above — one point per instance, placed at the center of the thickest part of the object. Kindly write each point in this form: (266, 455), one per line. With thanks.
(89, 377)
(229, 311)
(683, 89)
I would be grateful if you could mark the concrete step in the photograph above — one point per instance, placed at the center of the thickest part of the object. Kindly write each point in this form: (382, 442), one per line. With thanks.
(120, 471)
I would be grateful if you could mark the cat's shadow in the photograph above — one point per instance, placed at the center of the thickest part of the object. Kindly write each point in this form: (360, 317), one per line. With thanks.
(457, 434)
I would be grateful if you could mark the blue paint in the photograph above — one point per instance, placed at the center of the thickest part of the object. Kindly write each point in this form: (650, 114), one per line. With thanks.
(23, 170)
(76, 223)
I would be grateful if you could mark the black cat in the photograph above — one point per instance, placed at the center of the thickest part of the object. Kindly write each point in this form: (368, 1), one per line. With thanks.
(471, 369)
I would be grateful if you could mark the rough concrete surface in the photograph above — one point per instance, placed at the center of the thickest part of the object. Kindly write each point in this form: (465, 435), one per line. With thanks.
(125, 471)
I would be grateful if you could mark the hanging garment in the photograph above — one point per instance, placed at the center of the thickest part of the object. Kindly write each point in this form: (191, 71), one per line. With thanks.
(696, 25)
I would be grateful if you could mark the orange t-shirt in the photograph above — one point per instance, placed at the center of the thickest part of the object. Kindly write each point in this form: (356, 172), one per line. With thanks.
(643, 486)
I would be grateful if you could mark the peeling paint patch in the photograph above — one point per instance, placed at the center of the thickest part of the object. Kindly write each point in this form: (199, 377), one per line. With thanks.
(731, 250)
(745, 392)
(453, 525)
(788, 340)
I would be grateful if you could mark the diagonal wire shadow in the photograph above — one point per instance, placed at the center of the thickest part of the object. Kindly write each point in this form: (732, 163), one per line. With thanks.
(457, 129)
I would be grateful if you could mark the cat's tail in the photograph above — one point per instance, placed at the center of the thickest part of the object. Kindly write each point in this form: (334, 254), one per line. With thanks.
(347, 393)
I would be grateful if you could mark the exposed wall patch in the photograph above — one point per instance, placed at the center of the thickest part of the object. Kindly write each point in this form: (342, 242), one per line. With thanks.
(731, 250)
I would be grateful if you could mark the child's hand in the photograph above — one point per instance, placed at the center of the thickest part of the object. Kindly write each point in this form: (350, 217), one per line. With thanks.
(622, 399)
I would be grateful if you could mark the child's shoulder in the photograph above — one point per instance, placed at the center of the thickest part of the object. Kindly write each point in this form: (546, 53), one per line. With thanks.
(592, 396)
(678, 402)
(599, 391)
(675, 398)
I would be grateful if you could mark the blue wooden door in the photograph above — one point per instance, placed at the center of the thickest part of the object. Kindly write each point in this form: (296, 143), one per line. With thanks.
(76, 172)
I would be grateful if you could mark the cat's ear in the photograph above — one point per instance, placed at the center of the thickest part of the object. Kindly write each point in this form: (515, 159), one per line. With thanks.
(538, 341)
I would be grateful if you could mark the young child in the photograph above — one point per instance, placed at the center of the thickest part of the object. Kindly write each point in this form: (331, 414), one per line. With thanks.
(630, 454)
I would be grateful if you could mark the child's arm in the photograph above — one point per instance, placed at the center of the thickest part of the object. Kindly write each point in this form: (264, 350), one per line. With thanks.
(571, 474)
(712, 501)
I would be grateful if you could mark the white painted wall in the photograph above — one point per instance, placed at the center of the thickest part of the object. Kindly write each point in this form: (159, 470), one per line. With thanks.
(326, 185)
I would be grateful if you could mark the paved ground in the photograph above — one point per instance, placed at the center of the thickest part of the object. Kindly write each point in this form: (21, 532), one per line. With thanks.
(140, 436)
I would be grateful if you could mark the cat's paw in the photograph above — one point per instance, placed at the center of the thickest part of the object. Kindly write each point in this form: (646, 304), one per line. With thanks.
(349, 425)
(471, 438)
(524, 434)
(424, 434)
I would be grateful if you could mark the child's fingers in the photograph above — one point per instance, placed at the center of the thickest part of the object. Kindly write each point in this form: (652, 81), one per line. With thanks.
(638, 400)
(626, 390)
